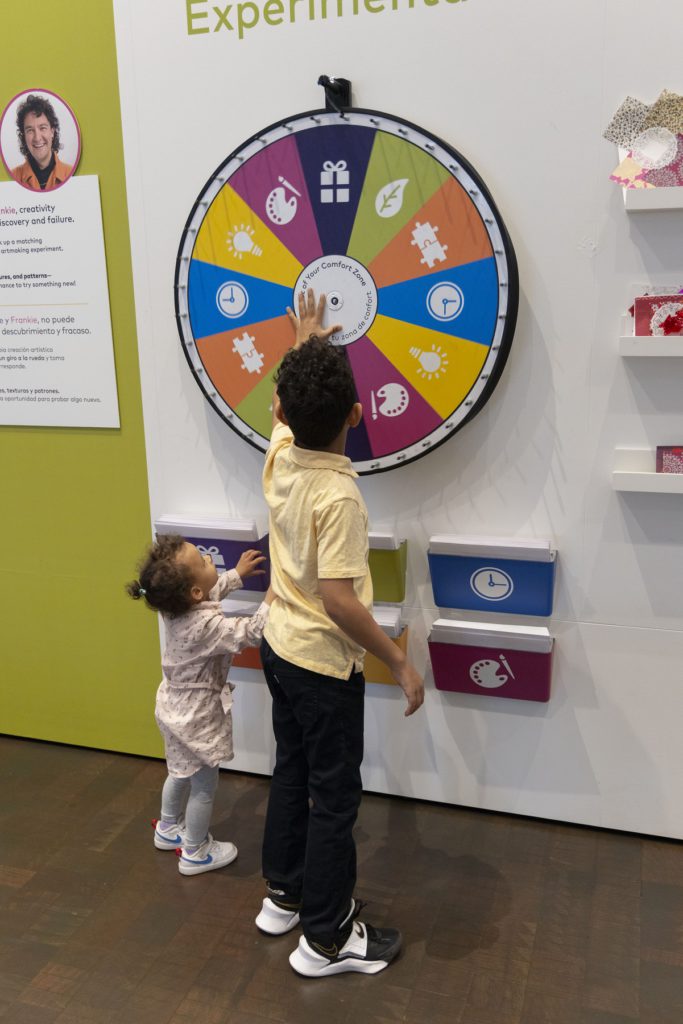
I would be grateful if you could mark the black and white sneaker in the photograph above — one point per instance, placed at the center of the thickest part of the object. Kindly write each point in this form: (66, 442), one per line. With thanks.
(275, 919)
(367, 950)
(279, 913)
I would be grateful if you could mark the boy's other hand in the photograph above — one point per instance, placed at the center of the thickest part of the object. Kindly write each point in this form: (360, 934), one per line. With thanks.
(310, 319)
(412, 685)
(248, 563)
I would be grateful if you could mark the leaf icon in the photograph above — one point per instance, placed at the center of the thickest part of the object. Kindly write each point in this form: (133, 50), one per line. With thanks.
(389, 199)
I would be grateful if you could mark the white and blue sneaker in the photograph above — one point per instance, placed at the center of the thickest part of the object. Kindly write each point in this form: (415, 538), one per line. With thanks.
(207, 857)
(168, 837)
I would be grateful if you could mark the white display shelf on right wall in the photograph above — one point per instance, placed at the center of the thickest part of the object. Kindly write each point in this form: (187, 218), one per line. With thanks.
(649, 347)
(667, 198)
(634, 471)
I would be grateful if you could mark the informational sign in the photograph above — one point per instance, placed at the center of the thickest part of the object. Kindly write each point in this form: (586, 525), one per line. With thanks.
(56, 353)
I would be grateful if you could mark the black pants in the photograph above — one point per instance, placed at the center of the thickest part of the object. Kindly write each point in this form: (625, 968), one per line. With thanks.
(308, 847)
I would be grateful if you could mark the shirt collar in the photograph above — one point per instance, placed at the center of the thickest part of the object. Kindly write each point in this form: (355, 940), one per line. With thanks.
(311, 459)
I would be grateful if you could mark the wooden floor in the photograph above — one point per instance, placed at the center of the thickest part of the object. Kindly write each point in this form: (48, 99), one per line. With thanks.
(505, 920)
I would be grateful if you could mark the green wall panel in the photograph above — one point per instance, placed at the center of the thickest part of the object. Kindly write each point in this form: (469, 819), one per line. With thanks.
(79, 661)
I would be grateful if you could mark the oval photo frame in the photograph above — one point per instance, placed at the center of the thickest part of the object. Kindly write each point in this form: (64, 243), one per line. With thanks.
(68, 132)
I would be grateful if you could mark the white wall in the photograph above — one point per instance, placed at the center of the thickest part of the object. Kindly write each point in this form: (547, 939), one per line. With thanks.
(524, 91)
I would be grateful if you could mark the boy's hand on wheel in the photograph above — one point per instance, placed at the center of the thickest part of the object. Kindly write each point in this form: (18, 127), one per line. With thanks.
(310, 319)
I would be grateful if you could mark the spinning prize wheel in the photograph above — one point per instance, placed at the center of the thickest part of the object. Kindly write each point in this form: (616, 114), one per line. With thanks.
(401, 235)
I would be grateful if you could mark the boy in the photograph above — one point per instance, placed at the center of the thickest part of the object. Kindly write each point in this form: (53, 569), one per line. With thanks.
(319, 629)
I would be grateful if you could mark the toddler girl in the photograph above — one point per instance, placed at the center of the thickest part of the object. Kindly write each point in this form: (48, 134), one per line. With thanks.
(193, 701)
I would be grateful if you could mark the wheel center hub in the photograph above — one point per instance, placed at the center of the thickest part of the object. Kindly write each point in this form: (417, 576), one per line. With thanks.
(346, 283)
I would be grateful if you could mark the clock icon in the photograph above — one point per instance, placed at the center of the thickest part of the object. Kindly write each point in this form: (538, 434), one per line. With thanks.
(232, 299)
(445, 301)
(491, 584)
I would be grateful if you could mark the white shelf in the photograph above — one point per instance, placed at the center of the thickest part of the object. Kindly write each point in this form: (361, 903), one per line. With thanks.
(637, 199)
(466, 633)
(527, 549)
(384, 540)
(633, 472)
(388, 618)
(212, 527)
(653, 483)
(651, 347)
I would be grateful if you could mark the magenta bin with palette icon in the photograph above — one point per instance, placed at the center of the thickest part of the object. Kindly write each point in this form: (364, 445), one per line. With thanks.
(492, 660)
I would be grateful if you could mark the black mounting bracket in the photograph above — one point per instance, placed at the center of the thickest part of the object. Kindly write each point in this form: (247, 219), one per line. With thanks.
(337, 93)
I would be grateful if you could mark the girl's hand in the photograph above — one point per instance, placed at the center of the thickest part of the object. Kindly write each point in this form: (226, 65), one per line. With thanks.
(270, 595)
(310, 319)
(248, 562)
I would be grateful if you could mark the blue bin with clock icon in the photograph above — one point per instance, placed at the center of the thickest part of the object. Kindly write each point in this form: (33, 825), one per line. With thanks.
(487, 574)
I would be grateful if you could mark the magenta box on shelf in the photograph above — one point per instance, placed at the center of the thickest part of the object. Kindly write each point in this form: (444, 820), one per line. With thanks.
(669, 458)
(492, 660)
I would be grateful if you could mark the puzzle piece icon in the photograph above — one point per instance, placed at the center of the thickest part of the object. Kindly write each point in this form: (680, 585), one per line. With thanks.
(424, 237)
(252, 361)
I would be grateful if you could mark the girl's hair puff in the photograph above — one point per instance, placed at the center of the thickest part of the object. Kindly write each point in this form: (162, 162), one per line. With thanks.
(164, 581)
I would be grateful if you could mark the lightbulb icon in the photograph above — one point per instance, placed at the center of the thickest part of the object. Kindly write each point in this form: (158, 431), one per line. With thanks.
(241, 240)
(432, 363)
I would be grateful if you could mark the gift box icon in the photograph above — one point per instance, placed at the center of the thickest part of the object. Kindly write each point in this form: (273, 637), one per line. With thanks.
(334, 182)
(216, 556)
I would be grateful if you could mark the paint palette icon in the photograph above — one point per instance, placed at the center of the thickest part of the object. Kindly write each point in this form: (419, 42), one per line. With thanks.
(393, 400)
(280, 208)
(490, 674)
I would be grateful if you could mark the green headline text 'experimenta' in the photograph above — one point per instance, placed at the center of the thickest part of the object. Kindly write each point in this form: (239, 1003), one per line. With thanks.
(204, 17)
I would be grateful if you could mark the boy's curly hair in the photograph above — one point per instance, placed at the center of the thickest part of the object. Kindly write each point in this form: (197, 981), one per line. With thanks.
(316, 390)
(164, 582)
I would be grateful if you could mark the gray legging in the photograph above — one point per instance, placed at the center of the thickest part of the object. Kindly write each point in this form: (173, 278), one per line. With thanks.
(195, 796)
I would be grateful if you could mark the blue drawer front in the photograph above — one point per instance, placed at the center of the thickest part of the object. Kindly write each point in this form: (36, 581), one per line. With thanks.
(493, 585)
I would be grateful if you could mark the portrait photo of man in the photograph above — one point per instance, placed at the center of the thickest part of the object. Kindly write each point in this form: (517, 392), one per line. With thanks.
(39, 137)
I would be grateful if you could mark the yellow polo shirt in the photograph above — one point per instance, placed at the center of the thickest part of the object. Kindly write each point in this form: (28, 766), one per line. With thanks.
(318, 530)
